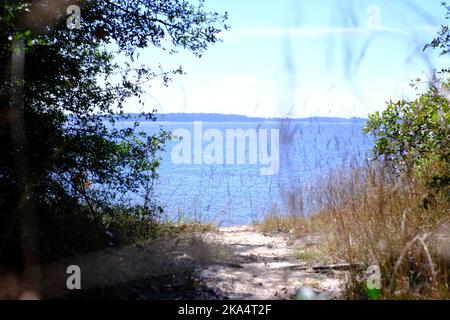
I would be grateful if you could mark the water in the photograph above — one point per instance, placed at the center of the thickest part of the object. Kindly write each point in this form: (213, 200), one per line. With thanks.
(232, 194)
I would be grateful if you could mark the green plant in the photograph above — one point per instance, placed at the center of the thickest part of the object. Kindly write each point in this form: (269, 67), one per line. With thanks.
(67, 166)
(413, 137)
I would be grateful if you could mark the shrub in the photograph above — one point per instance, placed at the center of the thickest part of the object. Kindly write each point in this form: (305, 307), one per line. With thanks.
(414, 136)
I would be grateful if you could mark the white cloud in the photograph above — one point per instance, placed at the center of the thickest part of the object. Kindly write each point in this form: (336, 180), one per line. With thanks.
(314, 32)
(266, 32)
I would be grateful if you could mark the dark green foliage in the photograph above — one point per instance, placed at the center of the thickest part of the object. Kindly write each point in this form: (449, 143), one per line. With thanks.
(410, 132)
(81, 165)
(442, 41)
(414, 136)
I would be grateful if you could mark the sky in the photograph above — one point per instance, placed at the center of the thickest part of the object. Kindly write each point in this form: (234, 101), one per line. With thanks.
(302, 58)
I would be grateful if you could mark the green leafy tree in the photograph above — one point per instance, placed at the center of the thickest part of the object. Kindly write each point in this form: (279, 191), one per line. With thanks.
(414, 136)
(61, 95)
(410, 133)
(442, 40)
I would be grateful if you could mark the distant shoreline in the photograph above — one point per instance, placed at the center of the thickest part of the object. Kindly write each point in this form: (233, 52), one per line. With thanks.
(216, 117)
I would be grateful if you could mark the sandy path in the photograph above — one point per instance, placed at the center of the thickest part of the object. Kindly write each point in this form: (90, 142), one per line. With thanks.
(259, 266)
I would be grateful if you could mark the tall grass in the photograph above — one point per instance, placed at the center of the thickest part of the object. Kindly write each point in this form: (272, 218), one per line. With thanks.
(370, 216)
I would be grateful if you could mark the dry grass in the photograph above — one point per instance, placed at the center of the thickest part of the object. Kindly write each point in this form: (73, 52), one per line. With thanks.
(294, 225)
(372, 217)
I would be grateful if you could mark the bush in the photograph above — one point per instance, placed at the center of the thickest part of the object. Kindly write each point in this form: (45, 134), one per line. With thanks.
(413, 137)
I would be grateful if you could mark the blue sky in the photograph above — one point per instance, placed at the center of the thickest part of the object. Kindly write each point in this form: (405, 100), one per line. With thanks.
(303, 58)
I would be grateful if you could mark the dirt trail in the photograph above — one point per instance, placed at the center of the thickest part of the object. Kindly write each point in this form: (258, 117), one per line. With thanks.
(261, 266)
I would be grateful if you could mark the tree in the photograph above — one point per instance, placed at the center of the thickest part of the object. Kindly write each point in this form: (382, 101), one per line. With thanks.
(409, 134)
(61, 94)
(414, 136)
(442, 41)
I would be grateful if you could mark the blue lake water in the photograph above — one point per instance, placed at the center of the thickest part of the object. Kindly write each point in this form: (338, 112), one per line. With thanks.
(233, 194)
